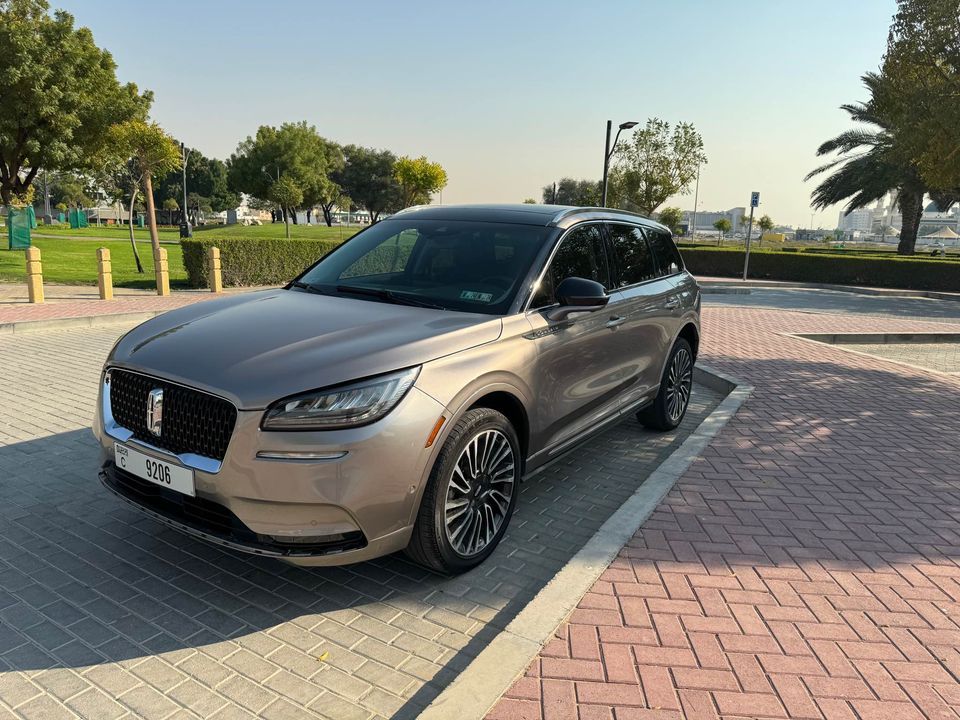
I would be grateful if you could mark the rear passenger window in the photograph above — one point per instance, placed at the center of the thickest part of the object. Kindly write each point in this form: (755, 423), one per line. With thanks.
(633, 254)
(665, 251)
(580, 255)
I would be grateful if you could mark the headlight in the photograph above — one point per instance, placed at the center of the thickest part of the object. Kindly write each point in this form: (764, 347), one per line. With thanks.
(350, 405)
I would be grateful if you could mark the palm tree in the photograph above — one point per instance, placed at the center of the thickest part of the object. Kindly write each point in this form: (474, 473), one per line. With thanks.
(870, 165)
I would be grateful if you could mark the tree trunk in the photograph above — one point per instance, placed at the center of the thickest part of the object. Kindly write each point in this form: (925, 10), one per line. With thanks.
(133, 241)
(911, 209)
(293, 214)
(287, 225)
(327, 214)
(151, 215)
(309, 214)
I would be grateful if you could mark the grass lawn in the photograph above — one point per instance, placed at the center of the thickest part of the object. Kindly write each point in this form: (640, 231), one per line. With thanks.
(275, 230)
(269, 230)
(73, 262)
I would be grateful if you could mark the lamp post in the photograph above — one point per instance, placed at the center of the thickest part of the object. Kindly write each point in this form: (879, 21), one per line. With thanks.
(696, 196)
(185, 229)
(608, 153)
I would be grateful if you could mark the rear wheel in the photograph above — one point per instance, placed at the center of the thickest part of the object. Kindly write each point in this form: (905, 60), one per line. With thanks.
(470, 495)
(670, 406)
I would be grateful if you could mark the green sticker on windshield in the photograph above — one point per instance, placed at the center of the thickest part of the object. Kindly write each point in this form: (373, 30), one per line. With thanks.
(477, 296)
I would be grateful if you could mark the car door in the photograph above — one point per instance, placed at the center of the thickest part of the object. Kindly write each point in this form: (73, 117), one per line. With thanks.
(677, 294)
(576, 380)
(642, 339)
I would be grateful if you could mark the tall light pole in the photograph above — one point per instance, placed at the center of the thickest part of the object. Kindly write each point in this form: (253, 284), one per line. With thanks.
(608, 153)
(696, 195)
(185, 229)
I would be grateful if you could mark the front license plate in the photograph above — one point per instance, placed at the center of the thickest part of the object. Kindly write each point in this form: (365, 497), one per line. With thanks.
(169, 475)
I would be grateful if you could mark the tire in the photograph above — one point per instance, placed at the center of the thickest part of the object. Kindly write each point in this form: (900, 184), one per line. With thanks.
(440, 540)
(663, 414)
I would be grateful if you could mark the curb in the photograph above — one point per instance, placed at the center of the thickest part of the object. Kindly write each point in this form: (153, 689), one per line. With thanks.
(476, 690)
(741, 287)
(27, 326)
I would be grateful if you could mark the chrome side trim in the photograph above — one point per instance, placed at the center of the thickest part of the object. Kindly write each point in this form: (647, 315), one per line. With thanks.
(118, 432)
(295, 456)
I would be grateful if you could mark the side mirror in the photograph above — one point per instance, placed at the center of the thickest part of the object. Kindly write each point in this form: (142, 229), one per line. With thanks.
(578, 295)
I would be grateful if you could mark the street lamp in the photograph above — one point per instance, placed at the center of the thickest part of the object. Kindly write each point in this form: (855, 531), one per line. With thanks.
(608, 153)
(185, 229)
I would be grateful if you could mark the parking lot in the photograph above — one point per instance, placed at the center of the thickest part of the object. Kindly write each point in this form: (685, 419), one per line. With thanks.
(107, 614)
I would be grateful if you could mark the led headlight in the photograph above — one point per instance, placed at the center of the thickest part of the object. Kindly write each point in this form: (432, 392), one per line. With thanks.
(350, 405)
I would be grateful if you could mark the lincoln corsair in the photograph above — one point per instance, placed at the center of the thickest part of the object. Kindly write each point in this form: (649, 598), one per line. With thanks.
(395, 394)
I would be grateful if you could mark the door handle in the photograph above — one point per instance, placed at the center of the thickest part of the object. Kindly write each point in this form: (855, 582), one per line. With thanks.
(672, 303)
(615, 321)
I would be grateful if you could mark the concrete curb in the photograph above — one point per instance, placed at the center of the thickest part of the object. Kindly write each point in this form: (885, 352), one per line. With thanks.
(476, 690)
(27, 326)
(879, 338)
(741, 287)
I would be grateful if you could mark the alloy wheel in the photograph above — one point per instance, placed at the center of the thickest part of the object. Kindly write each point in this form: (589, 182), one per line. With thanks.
(479, 493)
(679, 383)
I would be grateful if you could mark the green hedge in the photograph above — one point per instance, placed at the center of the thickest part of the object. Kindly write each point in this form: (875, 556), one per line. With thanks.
(910, 273)
(253, 261)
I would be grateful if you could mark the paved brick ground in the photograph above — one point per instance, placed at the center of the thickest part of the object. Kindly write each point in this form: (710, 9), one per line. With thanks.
(69, 301)
(806, 566)
(106, 614)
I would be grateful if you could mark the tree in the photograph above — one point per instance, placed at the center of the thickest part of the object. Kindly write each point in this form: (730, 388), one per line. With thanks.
(766, 225)
(419, 179)
(58, 95)
(287, 194)
(295, 150)
(147, 151)
(655, 164)
(206, 184)
(170, 205)
(567, 191)
(723, 226)
(529, 201)
(671, 217)
(922, 88)
(368, 179)
(71, 189)
(872, 161)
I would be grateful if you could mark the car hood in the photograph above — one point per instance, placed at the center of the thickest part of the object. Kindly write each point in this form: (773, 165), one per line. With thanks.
(255, 348)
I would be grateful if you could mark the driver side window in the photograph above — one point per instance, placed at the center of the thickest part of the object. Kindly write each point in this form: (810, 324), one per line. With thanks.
(580, 254)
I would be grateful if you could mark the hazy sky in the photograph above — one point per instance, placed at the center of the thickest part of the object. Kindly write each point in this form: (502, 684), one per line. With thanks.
(510, 96)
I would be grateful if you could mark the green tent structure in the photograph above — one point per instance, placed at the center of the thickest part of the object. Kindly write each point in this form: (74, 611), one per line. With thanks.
(78, 218)
(18, 228)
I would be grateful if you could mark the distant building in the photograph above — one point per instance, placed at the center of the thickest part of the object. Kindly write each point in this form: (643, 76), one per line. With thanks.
(706, 219)
(857, 221)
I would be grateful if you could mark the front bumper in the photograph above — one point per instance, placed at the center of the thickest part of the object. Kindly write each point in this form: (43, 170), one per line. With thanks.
(358, 503)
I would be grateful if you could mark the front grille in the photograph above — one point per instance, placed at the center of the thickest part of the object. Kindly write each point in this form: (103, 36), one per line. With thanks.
(216, 520)
(193, 421)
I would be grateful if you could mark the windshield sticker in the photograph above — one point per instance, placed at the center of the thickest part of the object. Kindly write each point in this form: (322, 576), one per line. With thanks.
(478, 296)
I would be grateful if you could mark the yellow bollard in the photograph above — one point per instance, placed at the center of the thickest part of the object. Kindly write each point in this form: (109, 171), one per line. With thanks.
(104, 274)
(34, 275)
(163, 273)
(214, 269)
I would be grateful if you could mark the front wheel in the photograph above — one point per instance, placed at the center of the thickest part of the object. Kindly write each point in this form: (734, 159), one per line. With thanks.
(470, 495)
(670, 406)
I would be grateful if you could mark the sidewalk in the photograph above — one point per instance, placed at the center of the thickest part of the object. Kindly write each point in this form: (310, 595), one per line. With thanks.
(80, 301)
(806, 566)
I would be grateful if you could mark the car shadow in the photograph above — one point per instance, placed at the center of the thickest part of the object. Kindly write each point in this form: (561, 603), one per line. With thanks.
(87, 580)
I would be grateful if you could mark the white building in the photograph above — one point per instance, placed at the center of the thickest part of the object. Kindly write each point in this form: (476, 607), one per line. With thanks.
(858, 220)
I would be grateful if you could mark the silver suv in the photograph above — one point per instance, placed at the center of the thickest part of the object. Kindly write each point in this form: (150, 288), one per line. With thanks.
(395, 394)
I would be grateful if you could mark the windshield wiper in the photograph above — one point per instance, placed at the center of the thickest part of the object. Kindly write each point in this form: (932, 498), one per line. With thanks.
(389, 296)
(300, 285)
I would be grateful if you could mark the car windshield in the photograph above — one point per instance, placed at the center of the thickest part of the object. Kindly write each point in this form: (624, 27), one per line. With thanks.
(457, 265)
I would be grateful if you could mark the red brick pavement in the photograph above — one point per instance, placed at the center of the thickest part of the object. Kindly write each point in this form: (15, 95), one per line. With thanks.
(806, 566)
(58, 309)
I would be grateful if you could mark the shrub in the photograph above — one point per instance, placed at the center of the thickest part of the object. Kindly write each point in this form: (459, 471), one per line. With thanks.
(248, 262)
(910, 273)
